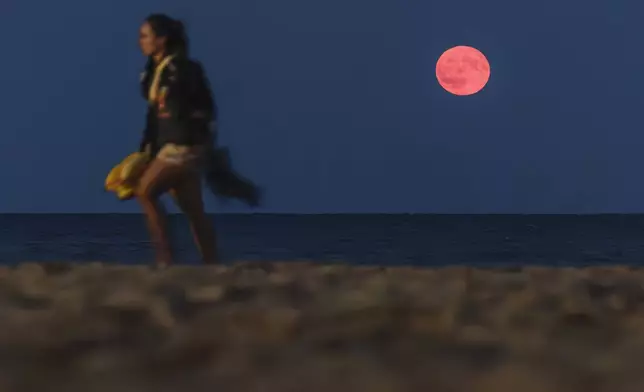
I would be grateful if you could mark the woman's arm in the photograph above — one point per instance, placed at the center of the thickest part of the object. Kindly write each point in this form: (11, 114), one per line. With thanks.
(187, 92)
(204, 97)
(175, 91)
(149, 133)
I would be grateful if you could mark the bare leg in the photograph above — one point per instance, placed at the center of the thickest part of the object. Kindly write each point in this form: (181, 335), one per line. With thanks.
(188, 196)
(157, 179)
(157, 225)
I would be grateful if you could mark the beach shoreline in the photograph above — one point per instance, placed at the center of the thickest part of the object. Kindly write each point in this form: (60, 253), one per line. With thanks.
(289, 326)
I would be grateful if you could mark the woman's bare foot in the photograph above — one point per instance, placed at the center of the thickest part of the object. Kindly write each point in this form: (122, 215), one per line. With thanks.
(162, 264)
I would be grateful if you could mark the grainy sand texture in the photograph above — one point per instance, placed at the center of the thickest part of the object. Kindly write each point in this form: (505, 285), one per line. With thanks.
(309, 327)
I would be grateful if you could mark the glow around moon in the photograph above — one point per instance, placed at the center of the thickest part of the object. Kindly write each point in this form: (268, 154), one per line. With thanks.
(462, 70)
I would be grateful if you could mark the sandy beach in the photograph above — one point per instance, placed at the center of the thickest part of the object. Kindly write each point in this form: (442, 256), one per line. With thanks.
(300, 326)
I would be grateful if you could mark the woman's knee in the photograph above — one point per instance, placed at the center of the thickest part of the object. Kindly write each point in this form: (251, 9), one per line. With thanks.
(151, 185)
(159, 178)
(146, 193)
(149, 193)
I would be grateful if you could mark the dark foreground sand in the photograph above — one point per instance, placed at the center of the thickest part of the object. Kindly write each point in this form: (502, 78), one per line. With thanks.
(306, 327)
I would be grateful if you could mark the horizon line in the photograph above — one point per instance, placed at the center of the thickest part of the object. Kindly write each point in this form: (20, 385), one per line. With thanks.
(347, 213)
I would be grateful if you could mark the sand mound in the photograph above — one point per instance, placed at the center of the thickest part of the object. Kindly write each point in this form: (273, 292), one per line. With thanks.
(307, 327)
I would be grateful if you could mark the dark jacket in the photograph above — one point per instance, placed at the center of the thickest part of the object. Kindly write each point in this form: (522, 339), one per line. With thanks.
(186, 114)
(185, 109)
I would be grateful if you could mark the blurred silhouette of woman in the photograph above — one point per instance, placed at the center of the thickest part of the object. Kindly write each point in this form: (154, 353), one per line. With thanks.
(180, 136)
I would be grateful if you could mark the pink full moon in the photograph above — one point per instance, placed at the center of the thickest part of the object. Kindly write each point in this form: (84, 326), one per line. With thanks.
(462, 70)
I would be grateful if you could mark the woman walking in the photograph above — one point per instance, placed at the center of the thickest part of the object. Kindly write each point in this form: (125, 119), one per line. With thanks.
(179, 137)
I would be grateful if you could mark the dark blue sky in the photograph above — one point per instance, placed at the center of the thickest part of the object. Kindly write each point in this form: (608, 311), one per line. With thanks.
(333, 105)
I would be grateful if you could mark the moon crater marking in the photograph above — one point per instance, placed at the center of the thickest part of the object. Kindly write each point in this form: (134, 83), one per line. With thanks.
(462, 70)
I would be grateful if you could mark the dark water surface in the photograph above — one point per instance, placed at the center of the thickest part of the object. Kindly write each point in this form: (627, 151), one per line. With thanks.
(359, 239)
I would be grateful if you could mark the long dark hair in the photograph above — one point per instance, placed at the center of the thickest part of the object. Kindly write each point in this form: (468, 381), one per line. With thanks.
(172, 30)
(177, 42)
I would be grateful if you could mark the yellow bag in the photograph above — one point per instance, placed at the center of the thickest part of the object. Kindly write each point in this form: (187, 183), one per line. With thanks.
(123, 177)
